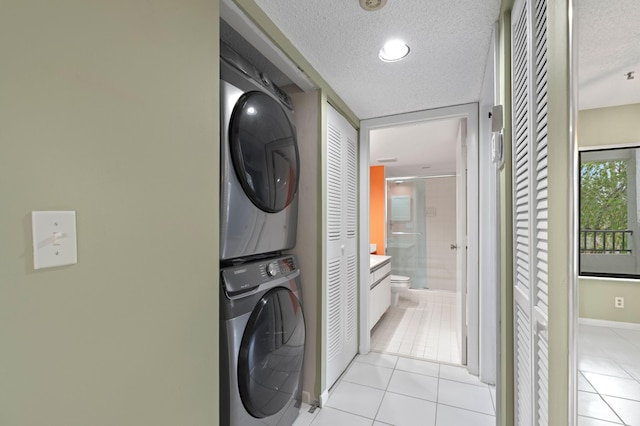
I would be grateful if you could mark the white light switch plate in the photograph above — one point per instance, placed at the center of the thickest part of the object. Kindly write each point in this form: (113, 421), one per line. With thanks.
(54, 239)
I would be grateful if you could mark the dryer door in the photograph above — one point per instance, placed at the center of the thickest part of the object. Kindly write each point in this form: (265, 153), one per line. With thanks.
(271, 353)
(264, 151)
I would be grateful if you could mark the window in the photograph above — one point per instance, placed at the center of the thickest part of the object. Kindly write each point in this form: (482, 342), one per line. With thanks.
(609, 216)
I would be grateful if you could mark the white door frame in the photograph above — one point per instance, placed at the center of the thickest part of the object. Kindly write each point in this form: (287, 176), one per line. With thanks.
(464, 330)
(470, 112)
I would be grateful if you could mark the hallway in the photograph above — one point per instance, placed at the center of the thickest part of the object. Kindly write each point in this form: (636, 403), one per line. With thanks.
(382, 389)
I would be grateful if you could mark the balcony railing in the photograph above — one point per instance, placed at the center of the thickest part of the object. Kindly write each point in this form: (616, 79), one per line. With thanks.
(596, 241)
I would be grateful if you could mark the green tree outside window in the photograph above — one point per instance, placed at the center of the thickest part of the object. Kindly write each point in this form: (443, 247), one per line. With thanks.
(603, 205)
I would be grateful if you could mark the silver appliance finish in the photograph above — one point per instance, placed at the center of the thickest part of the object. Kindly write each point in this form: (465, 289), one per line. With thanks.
(259, 200)
(262, 334)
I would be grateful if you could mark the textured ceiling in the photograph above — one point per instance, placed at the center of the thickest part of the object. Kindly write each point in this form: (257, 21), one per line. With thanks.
(608, 48)
(449, 44)
(449, 41)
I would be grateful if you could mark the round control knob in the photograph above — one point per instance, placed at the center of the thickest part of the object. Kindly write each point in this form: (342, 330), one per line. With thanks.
(272, 269)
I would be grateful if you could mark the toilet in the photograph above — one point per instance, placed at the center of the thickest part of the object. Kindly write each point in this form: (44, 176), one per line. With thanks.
(399, 284)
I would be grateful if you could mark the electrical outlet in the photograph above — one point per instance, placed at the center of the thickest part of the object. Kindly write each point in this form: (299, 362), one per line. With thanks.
(619, 302)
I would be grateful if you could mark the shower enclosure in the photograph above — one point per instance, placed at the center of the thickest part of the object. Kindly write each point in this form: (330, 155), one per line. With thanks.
(421, 231)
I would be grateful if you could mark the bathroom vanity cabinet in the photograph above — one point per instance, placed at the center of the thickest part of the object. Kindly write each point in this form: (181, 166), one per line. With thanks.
(380, 284)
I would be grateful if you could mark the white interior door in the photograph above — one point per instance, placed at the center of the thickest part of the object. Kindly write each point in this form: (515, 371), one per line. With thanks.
(461, 241)
(341, 308)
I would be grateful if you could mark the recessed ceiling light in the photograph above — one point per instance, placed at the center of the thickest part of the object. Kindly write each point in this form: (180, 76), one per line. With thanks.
(393, 50)
(371, 5)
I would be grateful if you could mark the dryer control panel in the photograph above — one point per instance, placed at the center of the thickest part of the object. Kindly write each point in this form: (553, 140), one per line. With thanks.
(245, 278)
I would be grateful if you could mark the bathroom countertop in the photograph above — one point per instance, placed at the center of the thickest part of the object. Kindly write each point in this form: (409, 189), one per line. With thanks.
(377, 260)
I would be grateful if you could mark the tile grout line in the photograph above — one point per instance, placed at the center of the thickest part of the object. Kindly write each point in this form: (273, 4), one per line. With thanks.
(385, 391)
(435, 420)
(612, 410)
(615, 331)
(466, 409)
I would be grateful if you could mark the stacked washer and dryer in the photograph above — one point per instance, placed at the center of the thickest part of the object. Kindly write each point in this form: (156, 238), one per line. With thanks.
(262, 329)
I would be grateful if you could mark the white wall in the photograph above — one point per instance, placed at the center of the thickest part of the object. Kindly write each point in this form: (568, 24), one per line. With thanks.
(488, 229)
(441, 233)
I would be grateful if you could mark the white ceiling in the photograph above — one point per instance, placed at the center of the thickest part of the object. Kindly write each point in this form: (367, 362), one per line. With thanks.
(608, 48)
(423, 149)
(449, 43)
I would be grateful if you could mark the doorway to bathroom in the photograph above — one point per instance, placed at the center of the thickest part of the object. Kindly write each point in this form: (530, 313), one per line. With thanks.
(422, 194)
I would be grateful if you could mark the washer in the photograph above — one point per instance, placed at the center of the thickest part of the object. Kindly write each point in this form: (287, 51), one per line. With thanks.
(262, 340)
(259, 162)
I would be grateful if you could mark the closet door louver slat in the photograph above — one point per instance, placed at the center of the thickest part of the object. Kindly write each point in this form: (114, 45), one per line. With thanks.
(540, 220)
(530, 211)
(334, 185)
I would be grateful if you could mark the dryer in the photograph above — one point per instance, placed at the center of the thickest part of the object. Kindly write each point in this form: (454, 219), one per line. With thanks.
(262, 339)
(259, 162)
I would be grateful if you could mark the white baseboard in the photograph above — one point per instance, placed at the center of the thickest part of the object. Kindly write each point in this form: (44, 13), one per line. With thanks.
(610, 324)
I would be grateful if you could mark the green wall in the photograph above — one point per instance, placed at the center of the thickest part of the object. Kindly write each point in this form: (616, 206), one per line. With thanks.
(110, 109)
(602, 127)
(609, 126)
(505, 385)
(560, 210)
(597, 295)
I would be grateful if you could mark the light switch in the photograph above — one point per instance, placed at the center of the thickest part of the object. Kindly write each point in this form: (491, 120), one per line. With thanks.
(54, 239)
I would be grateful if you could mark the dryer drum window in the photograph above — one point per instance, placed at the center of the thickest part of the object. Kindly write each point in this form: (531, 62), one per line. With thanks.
(271, 353)
(264, 151)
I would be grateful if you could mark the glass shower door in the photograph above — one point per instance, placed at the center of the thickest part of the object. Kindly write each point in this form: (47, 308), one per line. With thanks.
(421, 231)
(406, 230)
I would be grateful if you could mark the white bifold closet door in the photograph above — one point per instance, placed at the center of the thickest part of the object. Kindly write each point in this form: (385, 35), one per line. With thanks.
(530, 211)
(341, 309)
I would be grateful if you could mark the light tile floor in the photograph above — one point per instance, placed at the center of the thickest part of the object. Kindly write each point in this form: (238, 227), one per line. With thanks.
(608, 376)
(421, 326)
(383, 389)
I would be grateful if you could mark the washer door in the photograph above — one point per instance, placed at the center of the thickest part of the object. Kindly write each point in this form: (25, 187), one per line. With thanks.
(264, 151)
(271, 353)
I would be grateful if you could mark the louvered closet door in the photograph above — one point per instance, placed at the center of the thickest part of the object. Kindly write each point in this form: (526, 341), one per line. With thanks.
(529, 117)
(341, 269)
